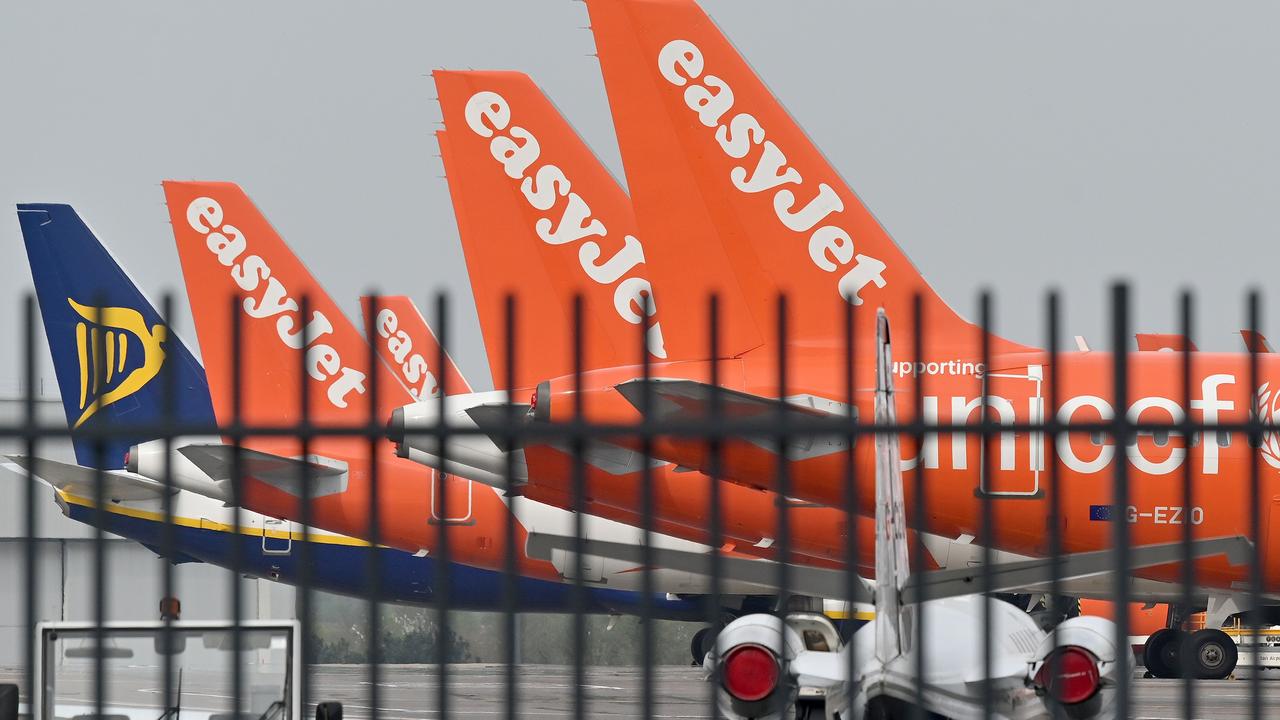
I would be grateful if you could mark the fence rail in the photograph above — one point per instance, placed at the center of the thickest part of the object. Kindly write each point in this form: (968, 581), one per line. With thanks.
(720, 428)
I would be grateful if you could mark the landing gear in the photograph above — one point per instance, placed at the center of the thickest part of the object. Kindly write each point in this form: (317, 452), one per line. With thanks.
(1208, 654)
(1163, 653)
(1213, 654)
(701, 643)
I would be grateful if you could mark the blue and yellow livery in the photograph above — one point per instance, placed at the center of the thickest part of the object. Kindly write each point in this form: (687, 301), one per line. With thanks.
(107, 341)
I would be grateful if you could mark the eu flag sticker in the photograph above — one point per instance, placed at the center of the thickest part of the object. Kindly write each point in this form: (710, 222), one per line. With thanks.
(1101, 513)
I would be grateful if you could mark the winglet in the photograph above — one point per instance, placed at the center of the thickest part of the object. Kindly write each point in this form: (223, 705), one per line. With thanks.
(892, 569)
(1255, 341)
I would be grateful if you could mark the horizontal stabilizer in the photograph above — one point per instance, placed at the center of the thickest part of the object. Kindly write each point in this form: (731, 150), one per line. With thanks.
(499, 421)
(80, 481)
(818, 582)
(326, 476)
(494, 419)
(1027, 574)
(690, 400)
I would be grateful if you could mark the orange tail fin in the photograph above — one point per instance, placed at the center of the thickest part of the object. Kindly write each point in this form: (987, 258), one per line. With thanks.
(542, 219)
(229, 250)
(397, 323)
(712, 156)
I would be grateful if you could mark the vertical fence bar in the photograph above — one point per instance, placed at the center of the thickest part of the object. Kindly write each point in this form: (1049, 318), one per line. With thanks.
(851, 521)
(1255, 516)
(237, 497)
(1049, 442)
(168, 540)
(714, 450)
(305, 558)
(31, 527)
(510, 576)
(919, 516)
(443, 587)
(373, 567)
(99, 520)
(646, 545)
(988, 514)
(1120, 496)
(1180, 615)
(579, 520)
(783, 439)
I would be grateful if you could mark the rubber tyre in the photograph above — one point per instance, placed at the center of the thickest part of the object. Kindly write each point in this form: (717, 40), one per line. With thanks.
(1162, 653)
(1213, 654)
(700, 645)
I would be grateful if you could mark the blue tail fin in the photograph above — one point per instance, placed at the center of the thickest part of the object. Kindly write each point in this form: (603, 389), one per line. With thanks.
(90, 306)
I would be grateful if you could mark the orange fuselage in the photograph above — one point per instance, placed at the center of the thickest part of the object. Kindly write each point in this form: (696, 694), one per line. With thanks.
(1021, 467)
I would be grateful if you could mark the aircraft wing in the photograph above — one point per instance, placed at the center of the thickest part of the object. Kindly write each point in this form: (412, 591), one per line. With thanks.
(934, 585)
(80, 481)
(327, 476)
(818, 582)
(1038, 571)
(691, 400)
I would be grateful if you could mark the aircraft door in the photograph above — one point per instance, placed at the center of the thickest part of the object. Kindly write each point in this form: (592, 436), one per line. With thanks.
(277, 536)
(1012, 463)
(451, 500)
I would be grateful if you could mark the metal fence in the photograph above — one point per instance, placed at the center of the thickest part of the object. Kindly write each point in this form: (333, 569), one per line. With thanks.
(718, 428)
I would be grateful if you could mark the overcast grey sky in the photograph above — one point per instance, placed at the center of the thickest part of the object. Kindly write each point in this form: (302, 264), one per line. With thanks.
(1005, 144)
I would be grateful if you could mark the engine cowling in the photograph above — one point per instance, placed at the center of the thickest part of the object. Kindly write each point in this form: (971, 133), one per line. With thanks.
(747, 667)
(1076, 666)
(148, 460)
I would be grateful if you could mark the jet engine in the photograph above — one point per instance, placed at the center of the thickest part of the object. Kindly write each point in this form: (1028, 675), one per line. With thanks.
(1076, 667)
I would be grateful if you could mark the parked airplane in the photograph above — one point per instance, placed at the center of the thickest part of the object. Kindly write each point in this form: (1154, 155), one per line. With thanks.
(228, 248)
(500, 195)
(83, 291)
(544, 278)
(733, 198)
(1069, 672)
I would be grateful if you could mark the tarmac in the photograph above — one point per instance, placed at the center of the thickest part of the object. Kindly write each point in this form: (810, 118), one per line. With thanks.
(409, 692)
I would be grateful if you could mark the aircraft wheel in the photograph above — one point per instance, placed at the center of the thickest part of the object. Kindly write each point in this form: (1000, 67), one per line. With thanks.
(1213, 654)
(1163, 651)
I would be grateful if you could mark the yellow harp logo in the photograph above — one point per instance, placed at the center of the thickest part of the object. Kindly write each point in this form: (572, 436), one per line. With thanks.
(102, 346)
